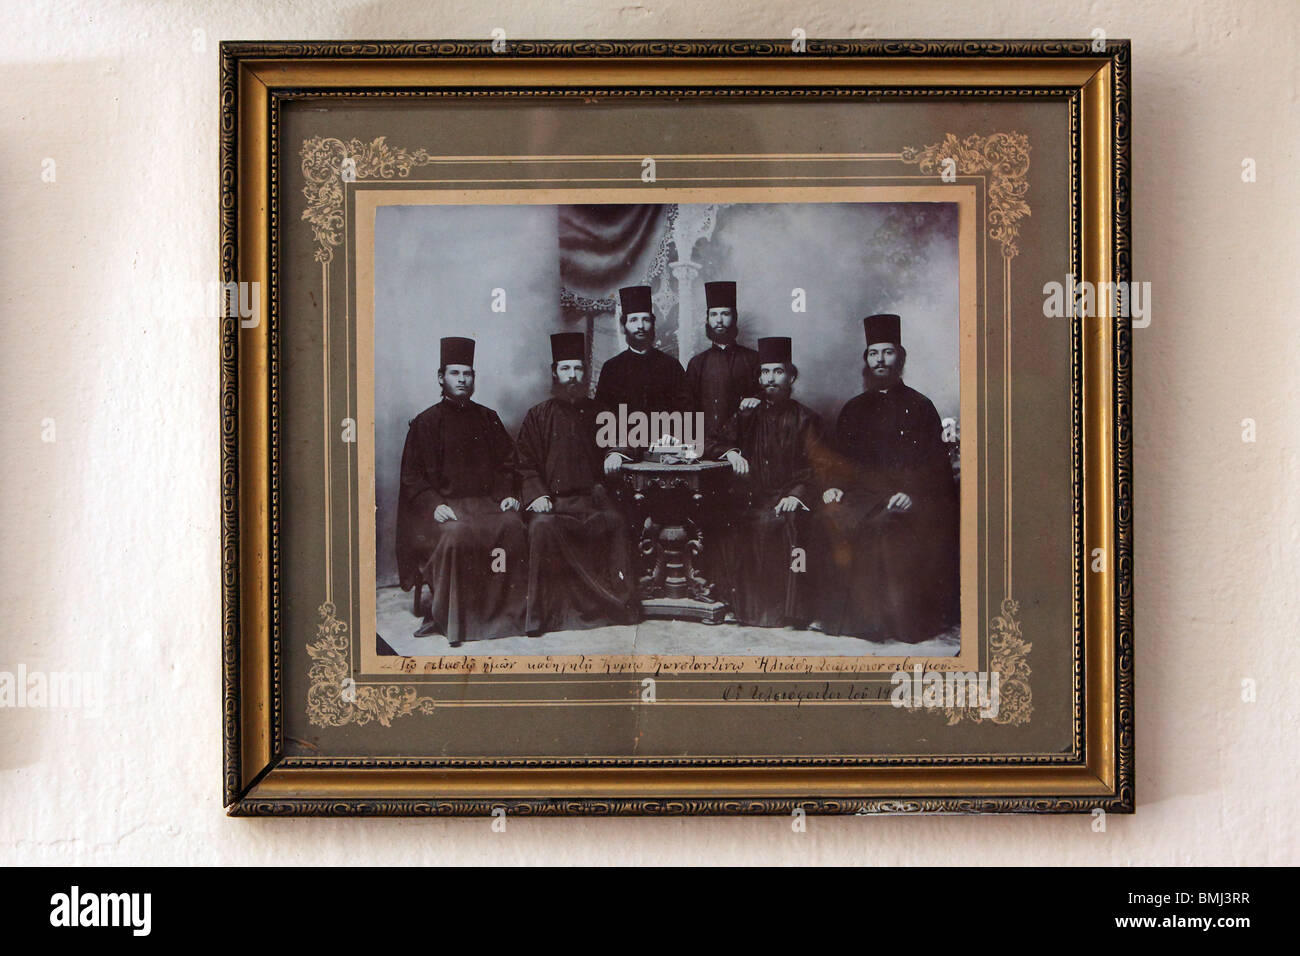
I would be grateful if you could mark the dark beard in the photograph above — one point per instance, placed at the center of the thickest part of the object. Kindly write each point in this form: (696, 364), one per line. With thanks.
(777, 393)
(446, 393)
(641, 345)
(872, 381)
(568, 391)
(720, 338)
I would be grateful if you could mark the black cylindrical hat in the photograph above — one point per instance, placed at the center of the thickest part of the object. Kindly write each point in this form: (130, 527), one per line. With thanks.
(882, 328)
(773, 349)
(567, 346)
(635, 298)
(457, 351)
(720, 295)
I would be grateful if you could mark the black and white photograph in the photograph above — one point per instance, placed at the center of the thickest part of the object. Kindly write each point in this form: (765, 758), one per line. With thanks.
(651, 429)
(649, 435)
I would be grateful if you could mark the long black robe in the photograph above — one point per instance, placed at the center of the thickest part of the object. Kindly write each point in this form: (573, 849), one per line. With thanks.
(460, 455)
(761, 575)
(650, 381)
(890, 575)
(718, 379)
(580, 560)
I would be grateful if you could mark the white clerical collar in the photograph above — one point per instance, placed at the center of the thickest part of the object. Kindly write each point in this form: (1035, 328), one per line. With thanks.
(638, 351)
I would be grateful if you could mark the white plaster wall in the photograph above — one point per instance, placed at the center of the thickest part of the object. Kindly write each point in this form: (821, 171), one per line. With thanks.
(109, 535)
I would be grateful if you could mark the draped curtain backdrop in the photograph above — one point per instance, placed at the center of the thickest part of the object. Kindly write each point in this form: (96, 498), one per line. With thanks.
(606, 247)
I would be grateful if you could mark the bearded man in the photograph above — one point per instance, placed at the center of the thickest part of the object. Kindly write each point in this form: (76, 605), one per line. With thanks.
(775, 451)
(641, 378)
(723, 379)
(458, 528)
(579, 552)
(890, 520)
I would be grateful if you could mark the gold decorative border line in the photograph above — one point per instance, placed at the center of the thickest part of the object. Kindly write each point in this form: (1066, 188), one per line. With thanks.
(1004, 156)
(1001, 158)
(334, 699)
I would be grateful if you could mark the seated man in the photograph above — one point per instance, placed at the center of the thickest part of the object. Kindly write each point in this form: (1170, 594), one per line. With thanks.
(579, 563)
(773, 450)
(458, 527)
(889, 521)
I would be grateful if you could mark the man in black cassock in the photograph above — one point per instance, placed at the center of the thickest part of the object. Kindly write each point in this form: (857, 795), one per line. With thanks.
(724, 377)
(889, 525)
(775, 451)
(579, 563)
(641, 378)
(458, 527)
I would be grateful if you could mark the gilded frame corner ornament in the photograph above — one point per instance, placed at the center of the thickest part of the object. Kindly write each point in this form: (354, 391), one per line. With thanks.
(1005, 156)
(261, 780)
(322, 166)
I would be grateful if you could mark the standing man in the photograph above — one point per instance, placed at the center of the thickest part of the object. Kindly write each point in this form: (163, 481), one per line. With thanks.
(890, 523)
(724, 377)
(775, 450)
(579, 557)
(458, 527)
(641, 378)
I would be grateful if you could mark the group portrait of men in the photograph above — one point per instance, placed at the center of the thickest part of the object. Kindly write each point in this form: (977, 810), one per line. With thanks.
(850, 530)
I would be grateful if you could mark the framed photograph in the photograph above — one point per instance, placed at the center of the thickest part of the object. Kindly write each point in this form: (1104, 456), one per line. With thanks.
(677, 427)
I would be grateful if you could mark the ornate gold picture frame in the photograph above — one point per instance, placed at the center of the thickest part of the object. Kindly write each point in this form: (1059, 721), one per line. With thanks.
(337, 157)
